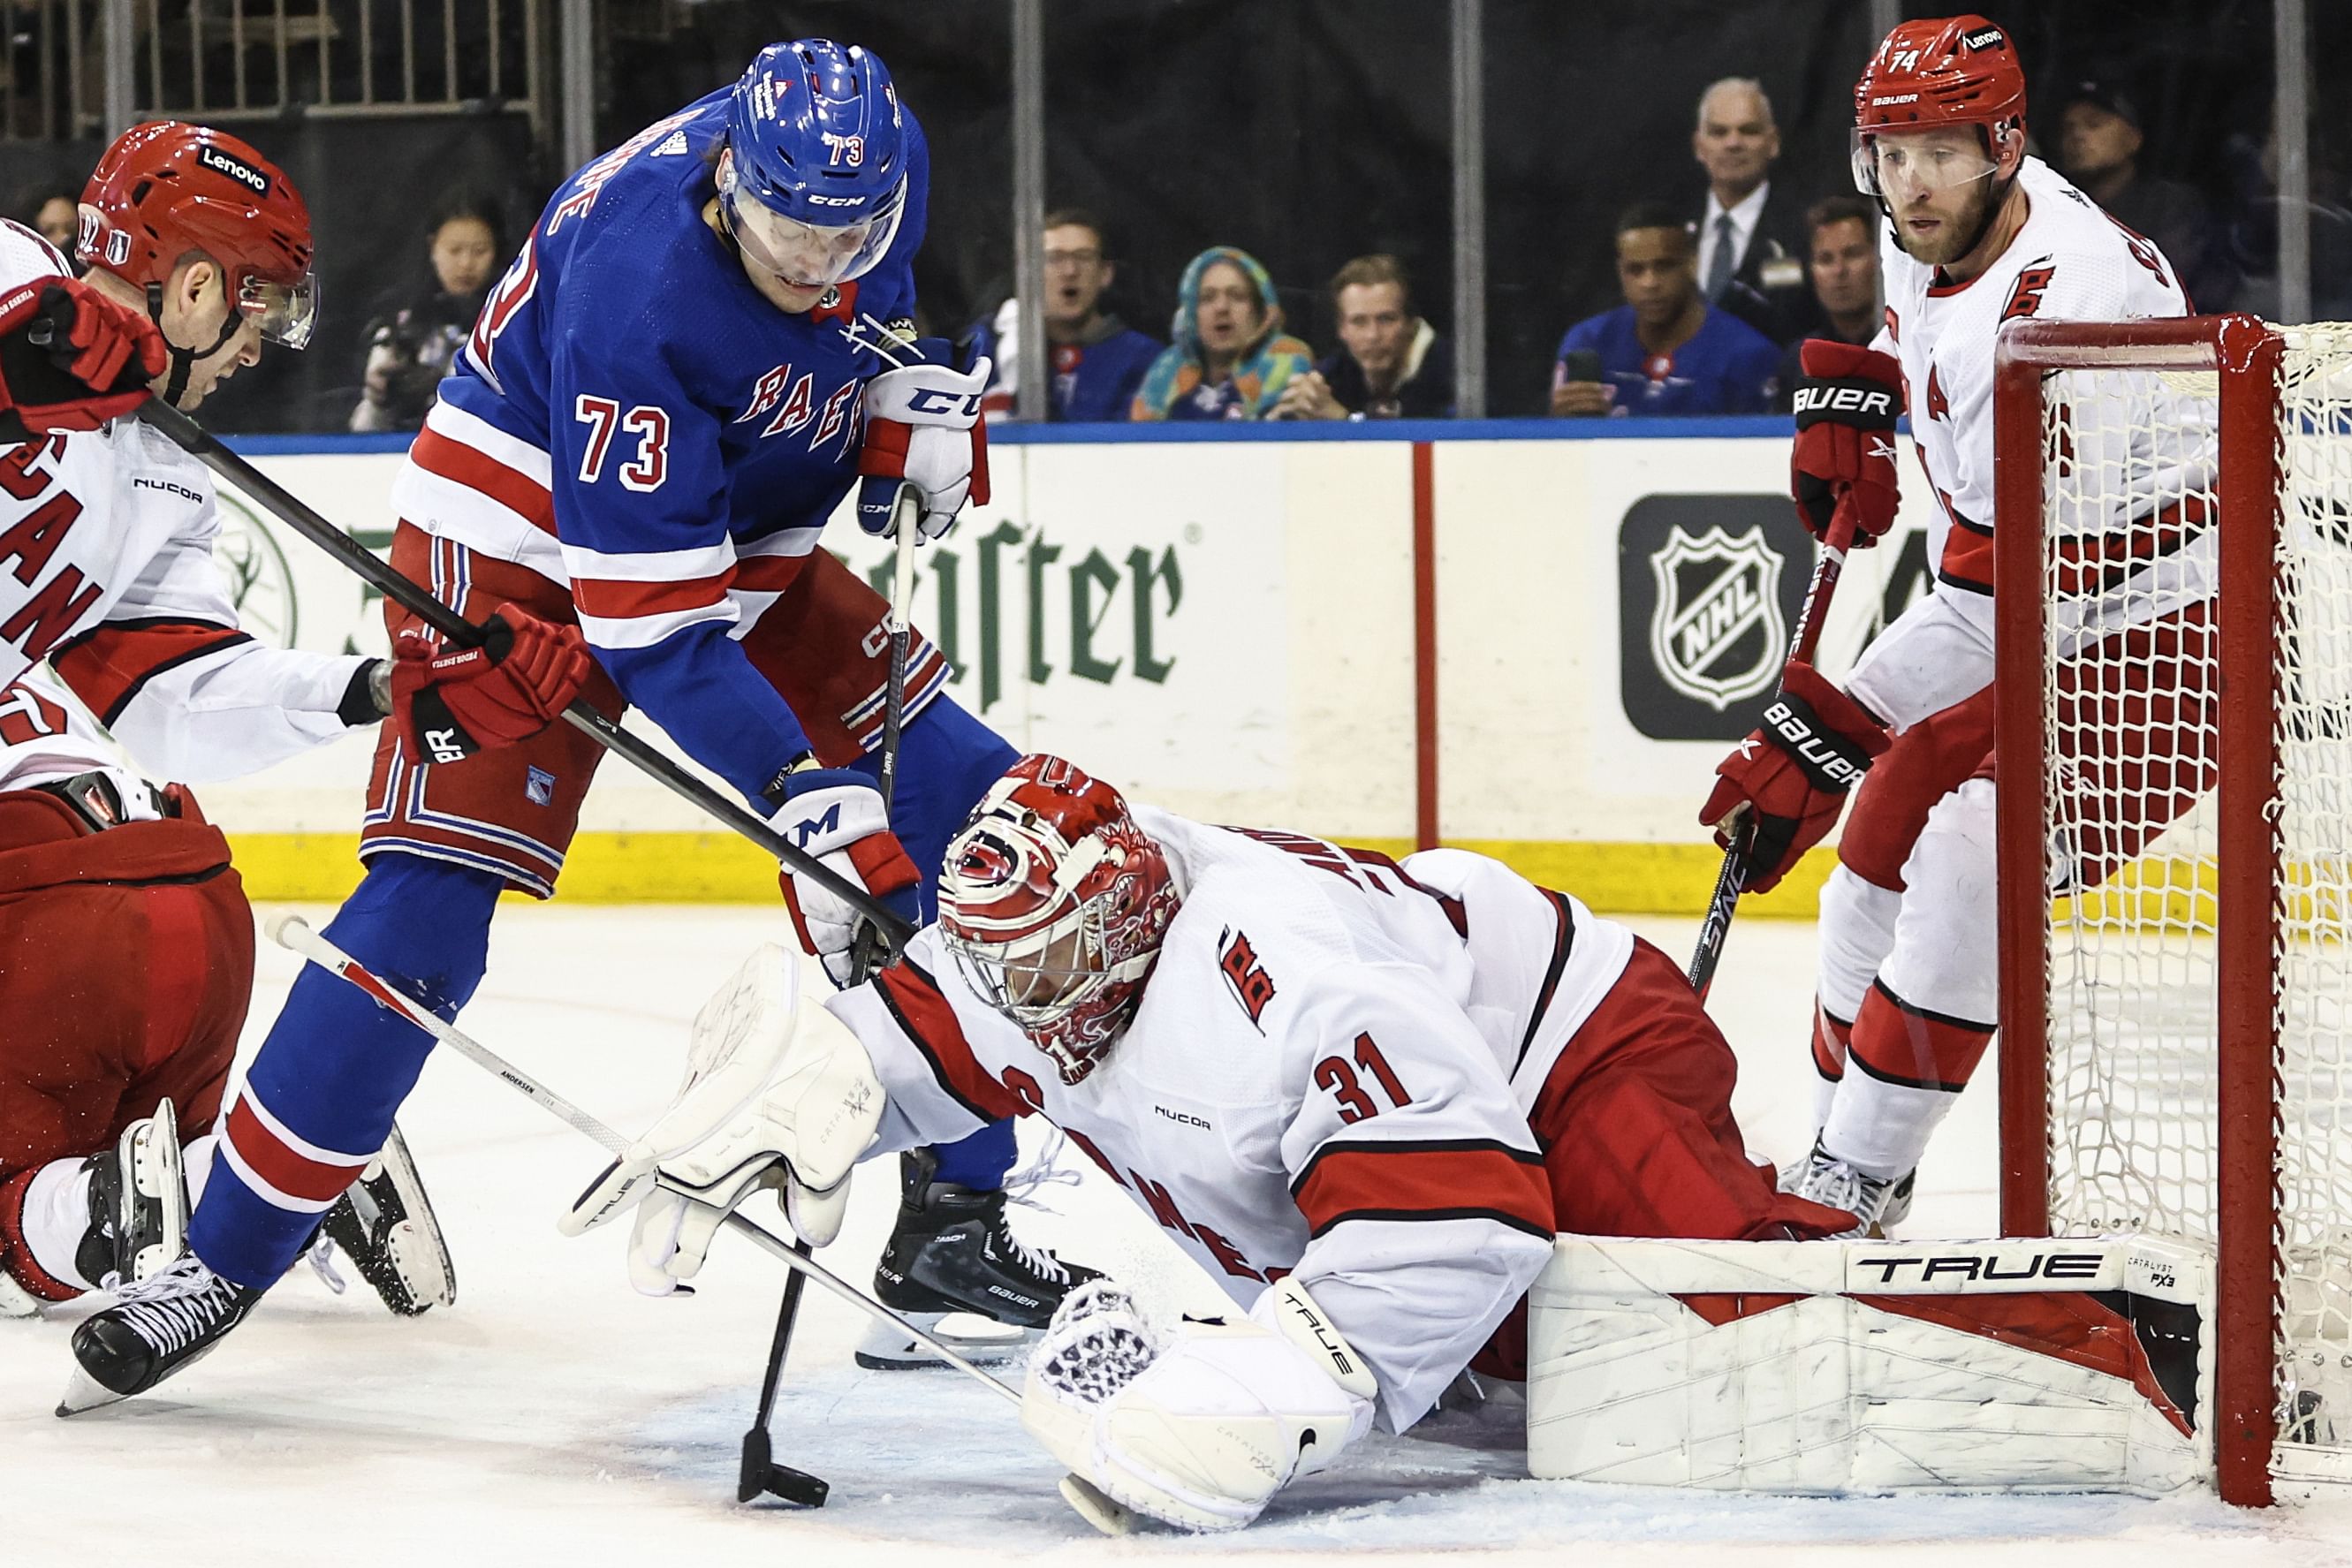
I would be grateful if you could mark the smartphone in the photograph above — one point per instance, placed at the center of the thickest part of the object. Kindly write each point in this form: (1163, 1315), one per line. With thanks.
(1581, 365)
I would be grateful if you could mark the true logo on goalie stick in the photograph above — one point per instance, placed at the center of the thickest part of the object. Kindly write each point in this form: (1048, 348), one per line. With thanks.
(1986, 1266)
(1715, 629)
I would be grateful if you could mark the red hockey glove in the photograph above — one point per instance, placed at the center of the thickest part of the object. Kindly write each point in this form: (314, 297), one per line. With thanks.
(836, 814)
(923, 428)
(1793, 773)
(1845, 455)
(450, 702)
(71, 358)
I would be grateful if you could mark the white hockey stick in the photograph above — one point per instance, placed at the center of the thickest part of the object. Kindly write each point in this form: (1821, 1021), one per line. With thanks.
(294, 933)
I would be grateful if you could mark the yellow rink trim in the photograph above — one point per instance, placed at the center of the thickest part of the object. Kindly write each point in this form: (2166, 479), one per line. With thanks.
(720, 868)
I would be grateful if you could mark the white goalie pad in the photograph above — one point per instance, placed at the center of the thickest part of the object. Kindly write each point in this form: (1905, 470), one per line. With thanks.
(1829, 1368)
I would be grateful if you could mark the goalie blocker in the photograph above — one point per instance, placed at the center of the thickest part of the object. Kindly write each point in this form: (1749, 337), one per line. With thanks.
(1868, 1367)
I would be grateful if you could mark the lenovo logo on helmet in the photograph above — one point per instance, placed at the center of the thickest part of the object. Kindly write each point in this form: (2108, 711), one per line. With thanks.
(1988, 40)
(237, 169)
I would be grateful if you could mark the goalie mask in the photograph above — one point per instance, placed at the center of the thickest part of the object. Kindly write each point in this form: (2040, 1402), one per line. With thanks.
(1054, 904)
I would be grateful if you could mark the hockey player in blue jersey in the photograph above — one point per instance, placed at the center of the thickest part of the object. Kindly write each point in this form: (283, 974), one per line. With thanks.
(705, 342)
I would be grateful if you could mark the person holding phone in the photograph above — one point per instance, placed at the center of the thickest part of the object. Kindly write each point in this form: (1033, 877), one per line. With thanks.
(1665, 350)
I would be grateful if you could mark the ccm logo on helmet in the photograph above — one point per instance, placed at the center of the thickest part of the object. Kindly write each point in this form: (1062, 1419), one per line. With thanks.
(237, 169)
(1844, 399)
(1987, 1265)
(836, 200)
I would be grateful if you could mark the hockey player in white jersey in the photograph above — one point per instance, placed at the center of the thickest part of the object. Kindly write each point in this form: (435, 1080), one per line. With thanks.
(1979, 234)
(1361, 1096)
(126, 966)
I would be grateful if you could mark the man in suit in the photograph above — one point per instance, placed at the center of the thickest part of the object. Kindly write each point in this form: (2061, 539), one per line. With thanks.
(1751, 237)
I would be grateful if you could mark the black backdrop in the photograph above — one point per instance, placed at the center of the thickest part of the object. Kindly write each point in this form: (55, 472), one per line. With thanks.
(1306, 132)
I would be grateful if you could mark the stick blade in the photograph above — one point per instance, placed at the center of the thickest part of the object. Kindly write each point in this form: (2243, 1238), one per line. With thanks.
(760, 1475)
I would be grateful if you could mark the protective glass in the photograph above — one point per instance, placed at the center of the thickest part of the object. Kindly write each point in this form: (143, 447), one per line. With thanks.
(285, 311)
(1888, 162)
(808, 255)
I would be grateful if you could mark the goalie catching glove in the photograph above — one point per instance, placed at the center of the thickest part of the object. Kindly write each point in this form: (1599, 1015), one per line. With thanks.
(1844, 459)
(1199, 1430)
(1793, 774)
(776, 1096)
(923, 428)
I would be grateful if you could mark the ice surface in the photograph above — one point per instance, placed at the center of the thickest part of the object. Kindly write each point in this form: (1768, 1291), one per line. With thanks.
(555, 1416)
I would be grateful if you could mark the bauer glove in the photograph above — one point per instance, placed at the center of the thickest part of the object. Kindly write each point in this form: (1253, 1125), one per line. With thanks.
(1793, 774)
(450, 702)
(71, 358)
(1844, 459)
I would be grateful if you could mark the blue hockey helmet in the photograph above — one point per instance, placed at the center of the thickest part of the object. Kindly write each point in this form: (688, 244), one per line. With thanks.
(813, 180)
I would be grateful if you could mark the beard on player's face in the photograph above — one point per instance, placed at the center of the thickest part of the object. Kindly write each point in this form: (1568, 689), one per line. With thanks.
(1959, 214)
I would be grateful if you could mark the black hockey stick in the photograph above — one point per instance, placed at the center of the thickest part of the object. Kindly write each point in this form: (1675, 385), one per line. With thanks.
(759, 1472)
(206, 448)
(1725, 902)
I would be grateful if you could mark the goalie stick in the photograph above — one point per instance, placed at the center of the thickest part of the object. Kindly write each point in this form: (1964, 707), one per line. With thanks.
(288, 508)
(759, 1471)
(294, 933)
(1725, 901)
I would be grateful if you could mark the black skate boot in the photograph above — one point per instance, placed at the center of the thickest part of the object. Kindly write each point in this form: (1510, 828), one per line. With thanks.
(952, 1253)
(155, 1329)
(138, 1204)
(385, 1226)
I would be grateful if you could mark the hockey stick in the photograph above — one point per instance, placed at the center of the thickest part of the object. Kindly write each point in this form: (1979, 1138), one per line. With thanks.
(206, 448)
(1725, 902)
(295, 935)
(759, 1471)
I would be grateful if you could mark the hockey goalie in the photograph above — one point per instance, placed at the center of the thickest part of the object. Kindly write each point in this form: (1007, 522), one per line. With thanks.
(1363, 1095)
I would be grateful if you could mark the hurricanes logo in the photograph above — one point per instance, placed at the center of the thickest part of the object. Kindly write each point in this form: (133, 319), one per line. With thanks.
(1252, 985)
(1716, 633)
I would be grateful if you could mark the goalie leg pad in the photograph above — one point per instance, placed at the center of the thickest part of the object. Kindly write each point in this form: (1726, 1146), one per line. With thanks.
(1829, 1368)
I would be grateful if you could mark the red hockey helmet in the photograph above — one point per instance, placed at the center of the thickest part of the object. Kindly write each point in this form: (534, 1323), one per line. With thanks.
(1054, 904)
(166, 189)
(1951, 70)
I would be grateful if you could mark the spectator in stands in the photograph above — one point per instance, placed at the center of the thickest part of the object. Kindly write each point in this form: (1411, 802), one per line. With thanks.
(2099, 142)
(1843, 262)
(1665, 350)
(56, 217)
(1751, 237)
(1096, 359)
(1391, 364)
(413, 333)
(1231, 359)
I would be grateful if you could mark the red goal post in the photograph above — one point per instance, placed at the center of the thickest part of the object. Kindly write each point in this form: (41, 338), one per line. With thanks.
(2173, 560)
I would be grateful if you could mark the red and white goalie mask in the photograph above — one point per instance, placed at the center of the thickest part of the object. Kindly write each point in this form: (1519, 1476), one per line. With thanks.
(1054, 904)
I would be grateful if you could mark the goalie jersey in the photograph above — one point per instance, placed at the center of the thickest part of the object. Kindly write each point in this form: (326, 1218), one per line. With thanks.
(2070, 262)
(107, 570)
(1330, 1074)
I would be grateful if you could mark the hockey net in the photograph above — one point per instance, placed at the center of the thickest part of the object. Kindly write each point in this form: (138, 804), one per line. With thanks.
(2174, 598)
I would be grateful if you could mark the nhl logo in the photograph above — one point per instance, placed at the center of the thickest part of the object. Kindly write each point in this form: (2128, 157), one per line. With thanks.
(1716, 633)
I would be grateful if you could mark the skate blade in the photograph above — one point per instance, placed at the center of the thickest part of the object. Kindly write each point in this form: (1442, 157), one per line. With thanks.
(84, 1392)
(1095, 1506)
(981, 1341)
(156, 1175)
(423, 1265)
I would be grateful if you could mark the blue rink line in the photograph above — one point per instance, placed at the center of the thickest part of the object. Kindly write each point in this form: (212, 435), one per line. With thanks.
(1753, 426)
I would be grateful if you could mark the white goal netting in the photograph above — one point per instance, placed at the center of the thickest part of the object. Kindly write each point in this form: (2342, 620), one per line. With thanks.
(2130, 709)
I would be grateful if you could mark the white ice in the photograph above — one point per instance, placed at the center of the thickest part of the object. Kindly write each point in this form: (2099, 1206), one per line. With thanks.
(555, 1416)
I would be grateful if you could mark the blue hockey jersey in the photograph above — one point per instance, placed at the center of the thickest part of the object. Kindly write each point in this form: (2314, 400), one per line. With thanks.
(631, 417)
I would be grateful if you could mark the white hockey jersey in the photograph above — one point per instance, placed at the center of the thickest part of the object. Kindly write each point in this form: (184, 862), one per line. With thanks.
(45, 737)
(2070, 262)
(107, 570)
(1330, 1075)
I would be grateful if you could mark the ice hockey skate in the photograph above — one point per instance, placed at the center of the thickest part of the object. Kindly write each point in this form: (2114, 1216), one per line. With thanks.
(387, 1226)
(952, 1259)
(138, 1203)
(1877, 1204)
(155, 1328)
